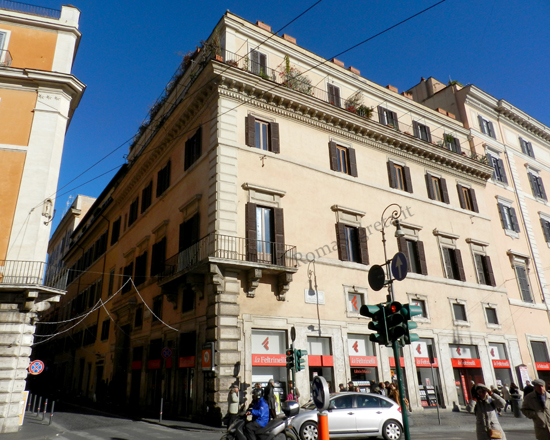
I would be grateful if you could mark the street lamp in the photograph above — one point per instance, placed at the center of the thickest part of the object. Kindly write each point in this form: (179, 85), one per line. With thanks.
(313, 288)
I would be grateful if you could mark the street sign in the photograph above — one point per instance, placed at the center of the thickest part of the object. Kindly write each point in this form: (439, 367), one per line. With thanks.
(377, 277)
(166, 353)
(293, 334)
(399, 266)
(207, 358)
(36, 367)
(320, 393)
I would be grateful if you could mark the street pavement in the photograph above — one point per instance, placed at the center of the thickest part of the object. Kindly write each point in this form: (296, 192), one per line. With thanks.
(82, 425)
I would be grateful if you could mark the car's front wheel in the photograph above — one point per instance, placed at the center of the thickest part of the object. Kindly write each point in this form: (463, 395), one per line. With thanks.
(392, 430)
(308, 431)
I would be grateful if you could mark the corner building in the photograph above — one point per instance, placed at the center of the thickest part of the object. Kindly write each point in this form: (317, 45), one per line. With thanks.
(251, 203)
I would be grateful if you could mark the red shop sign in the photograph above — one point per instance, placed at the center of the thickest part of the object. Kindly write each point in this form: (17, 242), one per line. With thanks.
(497, 363)
(466, 363)
(542, 365)
(264, 360)
(425, 362)
(154, 364)
(363, 361)
(186, 362)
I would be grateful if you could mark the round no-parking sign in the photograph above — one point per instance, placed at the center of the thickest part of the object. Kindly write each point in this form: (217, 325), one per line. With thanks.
(36, 367)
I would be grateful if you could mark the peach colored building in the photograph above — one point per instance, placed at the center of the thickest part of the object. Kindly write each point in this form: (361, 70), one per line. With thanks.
(38, 96)
(252, 202)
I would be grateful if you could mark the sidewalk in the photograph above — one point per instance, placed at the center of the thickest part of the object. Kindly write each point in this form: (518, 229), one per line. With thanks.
(34, 428)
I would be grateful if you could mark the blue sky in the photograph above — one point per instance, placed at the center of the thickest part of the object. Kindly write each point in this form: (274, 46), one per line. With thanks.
(130, 50)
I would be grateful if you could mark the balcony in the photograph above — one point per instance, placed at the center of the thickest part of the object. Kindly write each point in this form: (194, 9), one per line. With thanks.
(30, 281)
(30, 9)
(255, 257)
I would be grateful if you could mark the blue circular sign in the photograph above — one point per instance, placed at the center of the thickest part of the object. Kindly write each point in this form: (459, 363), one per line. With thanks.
(36, 367)
(399, 266)
(166, 353)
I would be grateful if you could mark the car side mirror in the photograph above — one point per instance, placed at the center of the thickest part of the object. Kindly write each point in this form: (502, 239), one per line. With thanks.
(331, 406)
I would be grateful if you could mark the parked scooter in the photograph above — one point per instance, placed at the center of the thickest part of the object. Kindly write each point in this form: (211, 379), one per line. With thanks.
(276, 429)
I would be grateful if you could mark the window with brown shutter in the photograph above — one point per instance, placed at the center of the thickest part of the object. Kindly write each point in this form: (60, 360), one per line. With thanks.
(193, 149)
(414, 251)
(262, 134)
(467, 198)
(422, 131)
(334, 95)
(399, 176)
(352, 243)
(437, 188)
(484, 269)
(387, 117)
(342, 159)
(454, 268)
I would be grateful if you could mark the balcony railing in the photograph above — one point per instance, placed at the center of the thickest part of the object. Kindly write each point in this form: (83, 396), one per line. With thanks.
(5, 58)
(230, 248)
(35, 273)
(30, 9)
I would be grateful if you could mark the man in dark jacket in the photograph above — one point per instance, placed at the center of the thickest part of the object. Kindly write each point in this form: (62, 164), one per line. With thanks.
(536, 406)
(528, 388)
(260, 415)
(269, 397)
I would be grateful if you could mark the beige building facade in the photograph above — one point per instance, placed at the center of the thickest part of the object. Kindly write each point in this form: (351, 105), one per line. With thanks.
(38, 96)
(253, 202)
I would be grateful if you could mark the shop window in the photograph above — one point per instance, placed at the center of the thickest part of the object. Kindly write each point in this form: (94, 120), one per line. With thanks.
(352, 243)
(486, 127)
(146, 197)
(536, 185)
(422, 304)
(459, 313)
(342, 159)
(540, 351)
(133, 214)
(414, 251)
(526, 148)
(467, 198)
(422, 131)
(261, 134)
(491, 314)
(193, 149)
(399, 176)
(105, 329)
(334, 95)
(163, 179)
(387, 117)
(157, 308)
(437, 188)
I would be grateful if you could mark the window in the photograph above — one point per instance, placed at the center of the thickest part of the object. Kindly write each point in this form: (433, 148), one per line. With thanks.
(90, 335)
(422, 304)
(158, 257)
(111, 282)
(422, 131)
(138, 318)
(127, 274)
(189, 232)
(133, 214)
(522, 276)
(163, 179)
(545, 229)
(498, 168)
(526, 148)
(157, 308)
(265, 230)
(261, 134)
(188, 300)
(334, 95)
(342, 159)
(452, 260)
(491, 314)
(467, 198)
(146, 197)
(508, 217)
(540, 351)
(400, 176)
(459, 312)
(536, 185)
(258, 63)
(355, 301)
(484, 269)
(193, 149)
(414, 251)
(452, 143)
(115, 232)
(486, 127)
(141, 269)
(105, 329)
(437, 188)
(352, 243)
(387, 117)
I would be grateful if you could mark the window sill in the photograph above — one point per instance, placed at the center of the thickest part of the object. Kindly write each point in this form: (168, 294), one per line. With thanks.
(461, 323)
(422, 320)
(520, 303)
(494, 326)
(511, 233)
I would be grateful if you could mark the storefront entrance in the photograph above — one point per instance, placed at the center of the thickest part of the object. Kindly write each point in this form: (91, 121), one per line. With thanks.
(320, 360)
(427, 370)
(466, 369)
(363, 363)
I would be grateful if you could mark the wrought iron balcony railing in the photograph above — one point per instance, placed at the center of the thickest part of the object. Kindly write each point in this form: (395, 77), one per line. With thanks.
(230, 248)
(30, 9)
(35, 273)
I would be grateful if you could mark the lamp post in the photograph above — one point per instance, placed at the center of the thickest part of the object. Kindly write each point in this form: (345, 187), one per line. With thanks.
(394, 217)
(313, 287)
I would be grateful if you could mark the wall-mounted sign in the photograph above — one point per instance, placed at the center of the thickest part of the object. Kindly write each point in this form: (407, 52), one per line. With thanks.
(207, 358)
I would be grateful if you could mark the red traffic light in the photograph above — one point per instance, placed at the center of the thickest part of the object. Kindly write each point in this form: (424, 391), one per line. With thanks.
(290, 352)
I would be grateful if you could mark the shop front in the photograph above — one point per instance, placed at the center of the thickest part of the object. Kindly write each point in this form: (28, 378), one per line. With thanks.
(320, 361)
(466, 370)
(542, 361)
(269, 361)
(363, 363)
(501, 364)
(427, 371)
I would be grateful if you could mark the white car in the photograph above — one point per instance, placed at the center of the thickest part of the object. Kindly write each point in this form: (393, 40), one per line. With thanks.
(353, 414)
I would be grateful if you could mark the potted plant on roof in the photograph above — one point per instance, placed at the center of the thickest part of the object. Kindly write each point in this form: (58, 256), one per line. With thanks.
(294, 79)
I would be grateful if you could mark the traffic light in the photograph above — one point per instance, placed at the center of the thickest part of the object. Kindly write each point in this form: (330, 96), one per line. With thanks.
(300, 362)
(408, 311)
(397, 325)
(290, 358)
(378, 315)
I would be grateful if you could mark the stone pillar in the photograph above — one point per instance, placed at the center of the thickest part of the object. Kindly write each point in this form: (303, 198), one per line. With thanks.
(222, 328)
(16, 338)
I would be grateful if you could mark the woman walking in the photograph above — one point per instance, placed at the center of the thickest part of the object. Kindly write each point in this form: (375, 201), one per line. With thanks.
(487, 424)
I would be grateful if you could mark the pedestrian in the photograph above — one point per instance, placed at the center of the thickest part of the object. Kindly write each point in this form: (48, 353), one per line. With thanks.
(528, 388)
(269, 397)
(394, 393)
(536, 406)
(487, 424)
(293, 394)
(514, 391)
(473, 398)
(387, 388)
(494, 390)
(342, 388)
(351, 387)
(233, 407)
(357, 389)
(382, 389)
(506, 396)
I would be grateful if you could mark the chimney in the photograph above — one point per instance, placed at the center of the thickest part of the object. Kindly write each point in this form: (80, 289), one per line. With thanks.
(264, 26)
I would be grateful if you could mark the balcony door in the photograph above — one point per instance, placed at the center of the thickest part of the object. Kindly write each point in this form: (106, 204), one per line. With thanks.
(264, 234)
